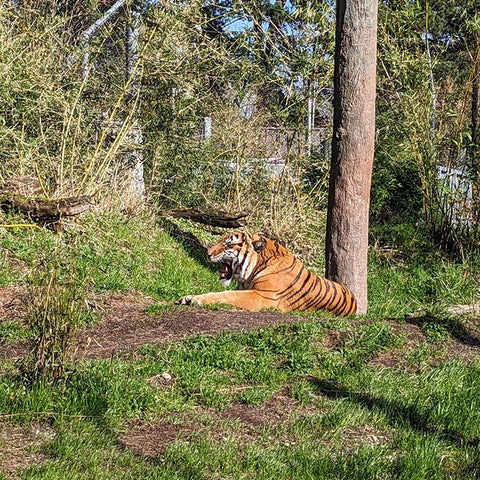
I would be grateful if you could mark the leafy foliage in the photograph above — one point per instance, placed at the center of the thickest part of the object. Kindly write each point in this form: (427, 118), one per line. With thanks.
(361, 399)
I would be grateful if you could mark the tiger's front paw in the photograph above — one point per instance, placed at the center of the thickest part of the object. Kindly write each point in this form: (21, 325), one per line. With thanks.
(188, 300)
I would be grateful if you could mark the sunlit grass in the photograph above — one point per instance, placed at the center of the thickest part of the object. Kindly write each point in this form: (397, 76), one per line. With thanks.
(350, 419)
(349, 415)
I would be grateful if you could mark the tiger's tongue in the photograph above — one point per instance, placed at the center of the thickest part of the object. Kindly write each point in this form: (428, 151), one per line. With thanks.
(225, 271)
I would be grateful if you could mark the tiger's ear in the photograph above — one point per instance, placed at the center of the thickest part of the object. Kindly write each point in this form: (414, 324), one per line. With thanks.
(259, 242)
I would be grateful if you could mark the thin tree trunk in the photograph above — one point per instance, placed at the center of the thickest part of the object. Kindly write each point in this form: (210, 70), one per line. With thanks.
(352, 146)
(135, 156)
(475, 146)
(93, 30)
(310, 116)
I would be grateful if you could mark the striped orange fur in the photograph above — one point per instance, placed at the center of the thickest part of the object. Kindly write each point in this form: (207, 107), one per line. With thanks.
(269, 276)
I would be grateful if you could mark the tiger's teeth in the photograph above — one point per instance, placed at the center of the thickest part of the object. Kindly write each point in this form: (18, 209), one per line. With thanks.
(225, 271)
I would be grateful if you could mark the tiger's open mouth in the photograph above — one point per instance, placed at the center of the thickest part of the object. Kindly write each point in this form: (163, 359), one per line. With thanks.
(225, 272)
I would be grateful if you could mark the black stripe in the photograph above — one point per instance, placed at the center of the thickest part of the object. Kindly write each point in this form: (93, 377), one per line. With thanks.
(274, 298)
(294, 281)
(238, 264)
(340, 309)
(326, 300)
(301, 289)
(254, 287)
(349, 303)
(353, 303)
(322, 302)
(336, 298)
(317, 300)
(313, 299)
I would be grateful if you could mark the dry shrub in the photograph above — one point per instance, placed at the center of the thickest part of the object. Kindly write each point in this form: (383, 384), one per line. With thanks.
(266, 179)
(56, 303)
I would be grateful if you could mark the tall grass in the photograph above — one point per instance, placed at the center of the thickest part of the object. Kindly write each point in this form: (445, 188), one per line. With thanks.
(66, 130)
(56, 307)
(346, 415)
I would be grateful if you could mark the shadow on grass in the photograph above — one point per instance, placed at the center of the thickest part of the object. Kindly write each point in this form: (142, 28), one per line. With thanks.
(190, 242)
(453, 326)
(398, 413)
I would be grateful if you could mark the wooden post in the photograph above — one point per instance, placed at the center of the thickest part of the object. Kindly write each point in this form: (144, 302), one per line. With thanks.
(352, 146)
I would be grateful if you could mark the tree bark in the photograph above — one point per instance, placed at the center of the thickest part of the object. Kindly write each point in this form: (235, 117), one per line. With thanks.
(135, 155)
(475, 130)
(352, 146)
(45, 211)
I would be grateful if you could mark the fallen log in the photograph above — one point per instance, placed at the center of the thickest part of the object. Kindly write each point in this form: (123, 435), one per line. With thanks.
(215, 219)
(45, 211)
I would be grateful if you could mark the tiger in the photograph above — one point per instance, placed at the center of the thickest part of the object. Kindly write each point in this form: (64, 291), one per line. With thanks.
(269, 276)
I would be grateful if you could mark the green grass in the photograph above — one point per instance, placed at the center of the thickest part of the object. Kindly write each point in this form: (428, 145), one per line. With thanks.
(351, 419)
(13, 330)
(332, 409)
(118, 254)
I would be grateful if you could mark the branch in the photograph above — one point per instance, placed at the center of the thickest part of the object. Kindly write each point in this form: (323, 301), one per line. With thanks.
(45, 211)
(217, 219)
(93, 29)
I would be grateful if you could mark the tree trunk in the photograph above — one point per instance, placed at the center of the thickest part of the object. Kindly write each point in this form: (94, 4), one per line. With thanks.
(45, 211)
(352, 146)
(135, 136)
(475, 144)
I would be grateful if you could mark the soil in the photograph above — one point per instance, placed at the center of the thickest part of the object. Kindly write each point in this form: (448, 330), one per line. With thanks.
(245, 423)
(21, 446)
(125, 326)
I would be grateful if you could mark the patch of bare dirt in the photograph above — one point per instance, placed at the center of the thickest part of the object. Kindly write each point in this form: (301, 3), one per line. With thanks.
(126, 326)
(13, 307)
(20, 446)
(14, 351)
(334, 339)
(12, 303)
(149, 439)
(413, 336)
(252, 420)
(275, 410)
(463, 344)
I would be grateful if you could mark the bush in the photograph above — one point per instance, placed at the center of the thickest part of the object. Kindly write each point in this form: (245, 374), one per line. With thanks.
(56, 305)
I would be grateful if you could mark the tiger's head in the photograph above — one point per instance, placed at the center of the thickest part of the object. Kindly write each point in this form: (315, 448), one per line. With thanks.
(237, 254)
